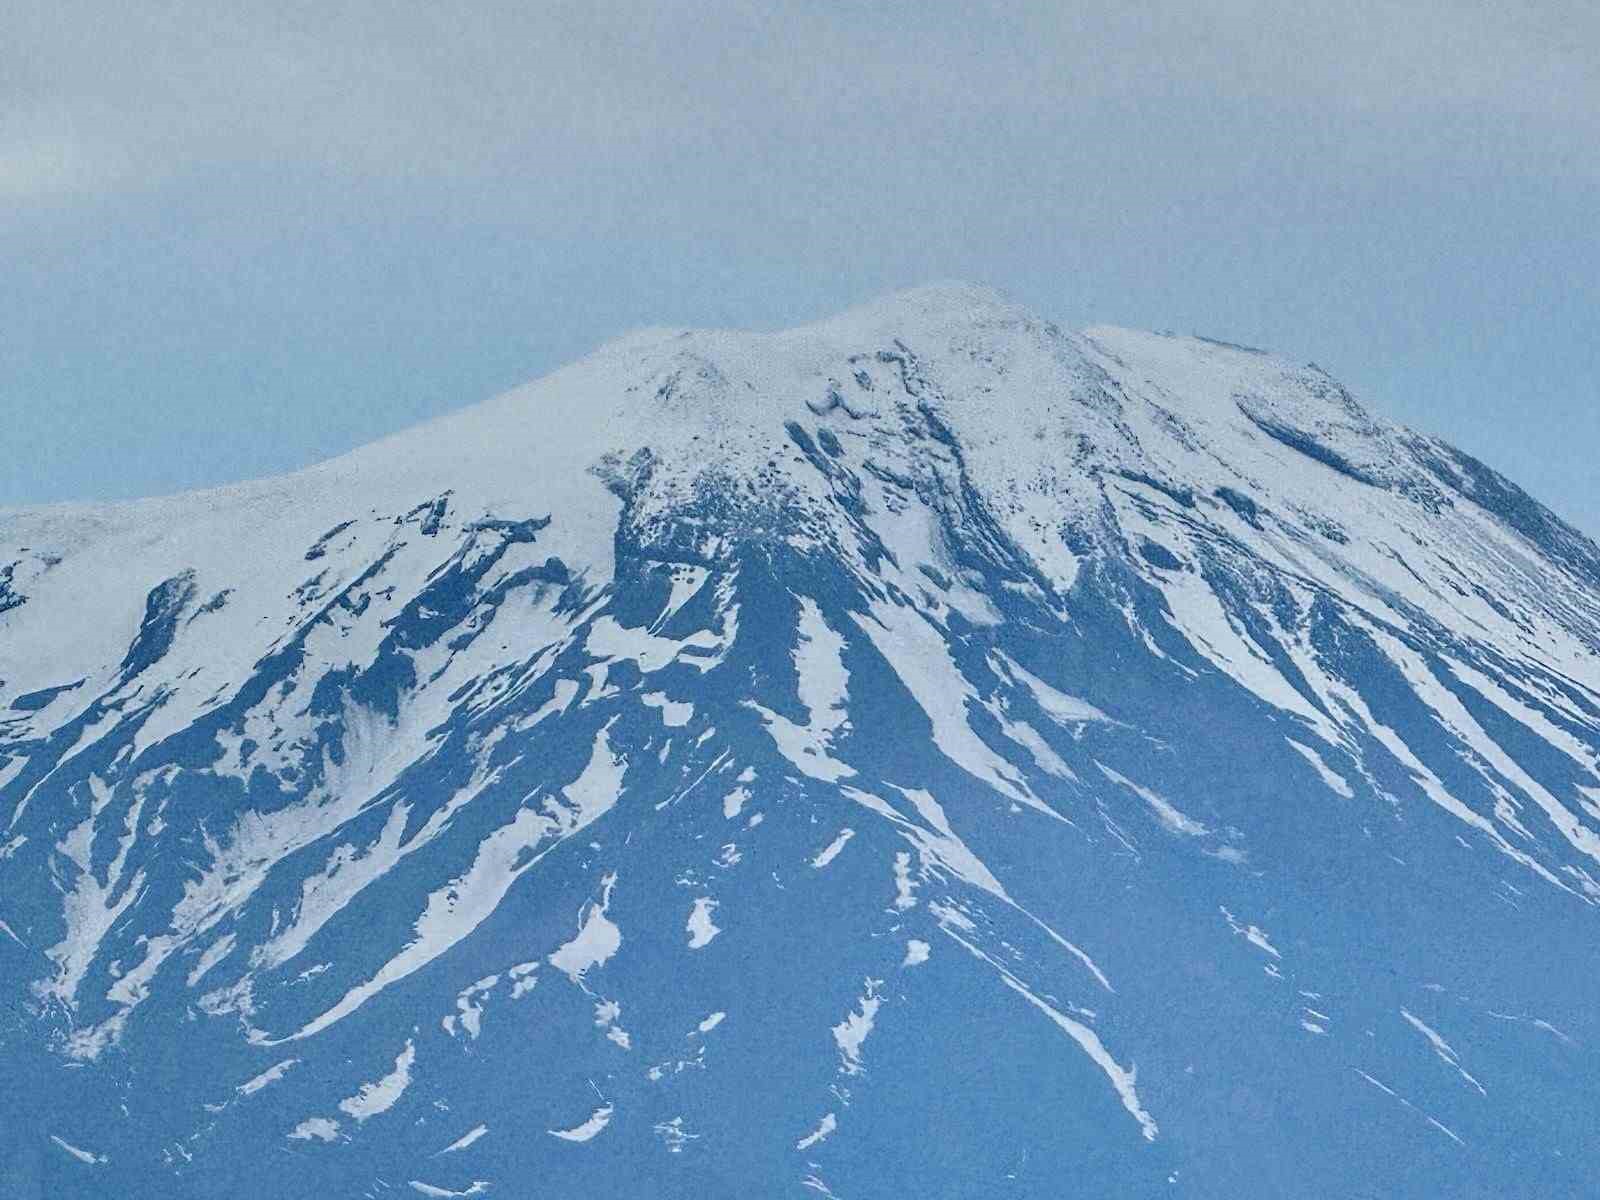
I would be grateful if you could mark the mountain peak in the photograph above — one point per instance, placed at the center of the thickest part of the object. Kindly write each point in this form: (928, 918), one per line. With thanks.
(941, 301)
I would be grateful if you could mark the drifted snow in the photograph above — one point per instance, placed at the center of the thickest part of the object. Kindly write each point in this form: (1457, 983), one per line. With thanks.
(451, 913)
(674, 713)
(84, 1156)
(469, 1007)
(673, 1135)
(701, 928)
(822, 691)
(824, 1130)
(905, 888)
(598, 938)
(922, 661)
(1122, 1079)
(607, 1014)
(1333, 779)
(466, 1139)
(851, 1033)
(383, 1094)
(588, 1130)
(322, 1129)
(477, 1188)
(1389, 1091)
(1442, 1048)
(1253, 934)
(833, 849)
(1165, 811)
(271, 1075)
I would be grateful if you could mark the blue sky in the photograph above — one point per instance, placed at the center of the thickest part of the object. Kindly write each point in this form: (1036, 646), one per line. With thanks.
(239, 238)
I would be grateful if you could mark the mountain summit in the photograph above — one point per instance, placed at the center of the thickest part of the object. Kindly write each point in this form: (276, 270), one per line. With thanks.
(923, 753)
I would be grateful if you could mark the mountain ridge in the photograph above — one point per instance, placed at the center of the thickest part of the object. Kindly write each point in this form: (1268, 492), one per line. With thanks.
(931, 309)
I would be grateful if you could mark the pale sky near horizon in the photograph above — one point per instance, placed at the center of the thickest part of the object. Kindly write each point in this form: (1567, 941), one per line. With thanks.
(238, 238)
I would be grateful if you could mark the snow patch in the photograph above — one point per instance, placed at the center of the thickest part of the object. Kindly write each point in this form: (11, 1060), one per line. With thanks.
(824, 1130)
(832, 849)
(851, 1033)
(589, 1130)
(1168, 815)
(382, 1095)
(270, 1076)
(701, 928)
(321, 1129)
(598, 938)
(1253, 934)
(1332, 778)
(465, 1140)
(84, 1156)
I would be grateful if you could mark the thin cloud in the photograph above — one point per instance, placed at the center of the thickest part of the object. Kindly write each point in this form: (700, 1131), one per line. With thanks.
(150, 91)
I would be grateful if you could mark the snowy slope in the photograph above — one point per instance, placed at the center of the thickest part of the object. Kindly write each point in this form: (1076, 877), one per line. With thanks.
(923, 753)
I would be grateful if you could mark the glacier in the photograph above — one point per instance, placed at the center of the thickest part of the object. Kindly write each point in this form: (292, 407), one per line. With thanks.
(928, 752)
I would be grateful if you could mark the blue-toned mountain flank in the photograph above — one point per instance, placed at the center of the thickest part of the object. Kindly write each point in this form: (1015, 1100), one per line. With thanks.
(928, 753)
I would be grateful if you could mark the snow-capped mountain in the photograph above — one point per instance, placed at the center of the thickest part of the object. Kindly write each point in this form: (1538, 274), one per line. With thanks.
(926, 753)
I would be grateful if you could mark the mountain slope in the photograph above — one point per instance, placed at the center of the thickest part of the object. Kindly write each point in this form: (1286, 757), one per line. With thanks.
(923, 753)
